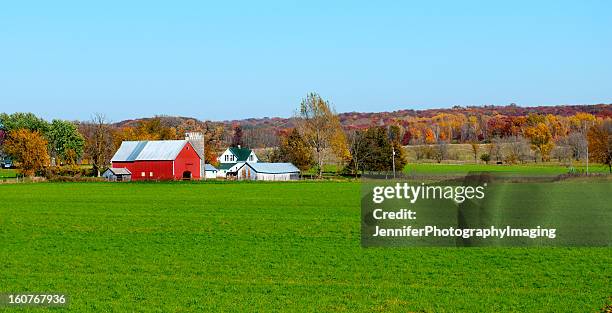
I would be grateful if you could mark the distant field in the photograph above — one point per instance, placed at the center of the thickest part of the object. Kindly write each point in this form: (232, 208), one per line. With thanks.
(464, 168)
(527, 169)
(247, 247)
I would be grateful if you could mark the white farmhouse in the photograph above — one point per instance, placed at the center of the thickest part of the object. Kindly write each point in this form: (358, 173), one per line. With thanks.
(233, 158)
(242, 163)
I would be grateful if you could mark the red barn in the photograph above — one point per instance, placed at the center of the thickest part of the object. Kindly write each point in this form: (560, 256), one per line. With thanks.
(160, 159)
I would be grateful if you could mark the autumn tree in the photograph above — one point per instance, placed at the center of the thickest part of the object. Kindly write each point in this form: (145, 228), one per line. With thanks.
(16, 121)
(149, 129)
(517, 148)
(440, 151)
(581, 121)
(213, 138)
(577, 142)
(557, 127)
(29, 149)
(540, 138)
(237, 139)
(2, 138)
(294, 149)
(494, 149)
(320, 127)
(98, 141)
(600, 144)
(430, 136)
(65, 142)
(562, 151)
(360, 147)
(475, 148)
(339, 147)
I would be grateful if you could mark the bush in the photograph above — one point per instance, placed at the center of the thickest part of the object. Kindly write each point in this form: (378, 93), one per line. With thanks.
(485, 157)
(54, 172)
(76, 179)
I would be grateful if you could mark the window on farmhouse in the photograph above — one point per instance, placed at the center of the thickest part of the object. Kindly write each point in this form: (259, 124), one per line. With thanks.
(150, 174)
(142, 174)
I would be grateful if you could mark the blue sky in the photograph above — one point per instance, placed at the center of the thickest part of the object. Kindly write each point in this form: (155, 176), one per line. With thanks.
(236, 59)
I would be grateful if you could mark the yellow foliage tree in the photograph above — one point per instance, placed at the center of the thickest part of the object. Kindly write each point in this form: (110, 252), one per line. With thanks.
(540, 138)
(320, 127)
(581, 120)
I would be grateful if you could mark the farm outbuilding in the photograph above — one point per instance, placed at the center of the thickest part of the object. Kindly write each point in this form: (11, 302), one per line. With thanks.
(210, 172)
(117, 174)
(158, 160)
(268, 171)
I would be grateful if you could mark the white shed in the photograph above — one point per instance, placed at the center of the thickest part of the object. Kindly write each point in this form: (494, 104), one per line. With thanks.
(268, 171)
(211, 172)
(117, 174)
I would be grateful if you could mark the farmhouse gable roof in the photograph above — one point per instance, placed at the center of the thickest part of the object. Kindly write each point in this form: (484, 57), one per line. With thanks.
(242, 154)
(226, 166)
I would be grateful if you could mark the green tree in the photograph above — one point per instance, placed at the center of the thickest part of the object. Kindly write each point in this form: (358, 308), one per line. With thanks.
(65, 141)
(485, 157)
(23, 121)
(381, 145)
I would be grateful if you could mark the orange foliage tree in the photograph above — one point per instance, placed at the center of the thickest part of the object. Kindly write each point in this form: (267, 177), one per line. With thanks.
(430, 137)
(29, 149)
(600, 143)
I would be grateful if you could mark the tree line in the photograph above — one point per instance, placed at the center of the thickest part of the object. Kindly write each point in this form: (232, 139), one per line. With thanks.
(316, 135)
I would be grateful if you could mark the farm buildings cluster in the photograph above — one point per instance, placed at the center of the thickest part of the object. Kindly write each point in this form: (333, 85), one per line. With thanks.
(184, 160)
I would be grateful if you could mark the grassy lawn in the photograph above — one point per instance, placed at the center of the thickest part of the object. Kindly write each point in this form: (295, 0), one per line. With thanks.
(247, 247)
(8, 173)
(527, 169)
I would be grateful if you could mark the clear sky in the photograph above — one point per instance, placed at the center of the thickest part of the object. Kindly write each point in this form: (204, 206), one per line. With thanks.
(236, 59)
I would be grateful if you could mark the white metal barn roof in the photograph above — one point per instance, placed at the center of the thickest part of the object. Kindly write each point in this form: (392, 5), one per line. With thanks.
(158, 150)
(119, 171)
(274, 168)
(209, 167)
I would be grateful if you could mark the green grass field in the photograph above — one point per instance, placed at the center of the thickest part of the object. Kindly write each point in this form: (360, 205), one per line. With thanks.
(243, 247)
